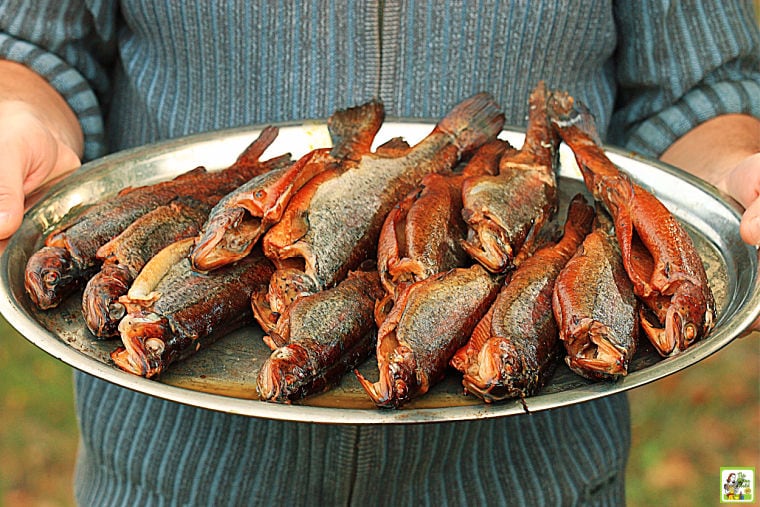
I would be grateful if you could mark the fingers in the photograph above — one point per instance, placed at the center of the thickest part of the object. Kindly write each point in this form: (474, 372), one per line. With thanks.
(11, 191)
(750, 224)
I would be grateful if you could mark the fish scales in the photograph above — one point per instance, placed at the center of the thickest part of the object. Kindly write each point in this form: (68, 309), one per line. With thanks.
(346, 213)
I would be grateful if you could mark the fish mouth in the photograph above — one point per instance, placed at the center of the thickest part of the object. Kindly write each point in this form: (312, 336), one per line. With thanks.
(397, 383)
(229, 237)
(599, 357)
(101, 307)
(488, 244)
(144, 339)
(50, 275)
(495, 377)
(283, 374)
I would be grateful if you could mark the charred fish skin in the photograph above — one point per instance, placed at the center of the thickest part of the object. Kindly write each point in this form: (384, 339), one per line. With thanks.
(659, 256)
(70, 253)
(125, 255)
(344, 216)
(431, 319)
(596, 310)
(319, 338)
(515, 349)
(191, 311)
(506, 211)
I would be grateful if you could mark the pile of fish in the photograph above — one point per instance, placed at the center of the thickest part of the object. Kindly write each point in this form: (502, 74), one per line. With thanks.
(445, 254)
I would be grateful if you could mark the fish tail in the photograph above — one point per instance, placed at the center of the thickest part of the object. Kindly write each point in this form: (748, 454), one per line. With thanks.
(256, 149)
(473, 122)
(565, 112)
(353, 129)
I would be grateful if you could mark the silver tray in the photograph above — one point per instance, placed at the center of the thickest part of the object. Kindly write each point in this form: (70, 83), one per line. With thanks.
(222, 377)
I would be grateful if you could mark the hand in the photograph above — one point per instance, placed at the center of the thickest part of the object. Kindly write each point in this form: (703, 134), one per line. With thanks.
(32, 157)
(40, 140)
(743, 184)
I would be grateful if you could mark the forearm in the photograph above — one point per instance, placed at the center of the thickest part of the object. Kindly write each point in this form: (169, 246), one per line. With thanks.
(22, 88)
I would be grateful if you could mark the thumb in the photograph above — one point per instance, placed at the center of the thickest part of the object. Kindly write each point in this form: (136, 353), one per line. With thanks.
(11, 193)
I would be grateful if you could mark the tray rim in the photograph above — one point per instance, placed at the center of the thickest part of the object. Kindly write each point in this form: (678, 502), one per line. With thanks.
(749, 309)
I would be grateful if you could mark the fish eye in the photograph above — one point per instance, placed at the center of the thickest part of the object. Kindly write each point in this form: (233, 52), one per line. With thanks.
(259, 194)
(154, 346)
(50, 278)
(690, 332)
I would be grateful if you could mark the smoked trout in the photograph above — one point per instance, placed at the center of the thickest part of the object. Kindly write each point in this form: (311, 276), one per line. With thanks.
(185, 311)
(659, 256)
(125, 255)
(69, 255)
(596, 310)
(429, 322)
(507, 211)
(337, 227)
(320, 337)
(515, 348)
(237, 222)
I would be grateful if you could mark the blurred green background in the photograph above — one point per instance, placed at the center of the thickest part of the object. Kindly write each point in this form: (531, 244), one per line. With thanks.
(685, 427)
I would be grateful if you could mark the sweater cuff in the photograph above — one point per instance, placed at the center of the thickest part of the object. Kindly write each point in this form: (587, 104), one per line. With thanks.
(703, 103)
(72, 86)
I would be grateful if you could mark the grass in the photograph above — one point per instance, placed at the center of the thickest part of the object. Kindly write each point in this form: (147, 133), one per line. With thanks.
(685, 427)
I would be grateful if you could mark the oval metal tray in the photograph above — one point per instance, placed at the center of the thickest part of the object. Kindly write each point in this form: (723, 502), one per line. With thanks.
(222, 377)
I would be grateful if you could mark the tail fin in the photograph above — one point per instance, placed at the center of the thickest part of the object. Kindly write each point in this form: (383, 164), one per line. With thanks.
(473, 122)
(253, 151)
(565, 111)
(353, 130)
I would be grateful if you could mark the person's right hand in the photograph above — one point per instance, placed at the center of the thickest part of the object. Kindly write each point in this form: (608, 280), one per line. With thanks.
(40, 140)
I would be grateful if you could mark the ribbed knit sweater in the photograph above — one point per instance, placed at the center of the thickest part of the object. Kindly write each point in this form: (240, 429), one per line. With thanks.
(137, 71)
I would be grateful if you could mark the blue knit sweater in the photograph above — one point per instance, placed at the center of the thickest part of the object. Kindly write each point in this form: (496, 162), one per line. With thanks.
(137, 71)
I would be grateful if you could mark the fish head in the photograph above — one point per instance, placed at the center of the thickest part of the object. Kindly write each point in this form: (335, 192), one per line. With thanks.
(493, 377)
(593, 352)
(397, 383)
(227, 237)
(283, 374)
(145, 351)
(689, 317)
(50, 275)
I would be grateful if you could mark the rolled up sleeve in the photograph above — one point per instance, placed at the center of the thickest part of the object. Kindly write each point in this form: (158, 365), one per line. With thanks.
(71, 45)
(680, 64)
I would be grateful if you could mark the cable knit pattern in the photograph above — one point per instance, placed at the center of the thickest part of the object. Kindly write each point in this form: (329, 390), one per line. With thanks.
(137, 71)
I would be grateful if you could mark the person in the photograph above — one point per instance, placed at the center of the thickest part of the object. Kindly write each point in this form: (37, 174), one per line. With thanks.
(679, 81)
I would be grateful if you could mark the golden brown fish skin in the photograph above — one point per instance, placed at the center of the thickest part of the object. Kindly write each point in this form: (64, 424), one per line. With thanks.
(430, 321)
(658, 254)
(191, 311)
(125, 255)
(69, 256)
(239, 219)
(245, 214)
(339, 228)
(319, 338)
(514, 351)
(596, 310)
(422, 234)
(505, 212)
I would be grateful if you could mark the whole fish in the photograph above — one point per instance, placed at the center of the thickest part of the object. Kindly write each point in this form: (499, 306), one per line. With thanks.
(237, 222)
(185, 311)
(429, 322)
(125, 255)
(337, 227)
(69, 255)
(319, 338)
(596, 310)
(515, 348)
(506, 212)
(422, 234)
(659, 256)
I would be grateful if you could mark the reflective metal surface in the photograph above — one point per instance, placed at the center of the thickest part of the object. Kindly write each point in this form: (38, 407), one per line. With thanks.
(222, 376)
